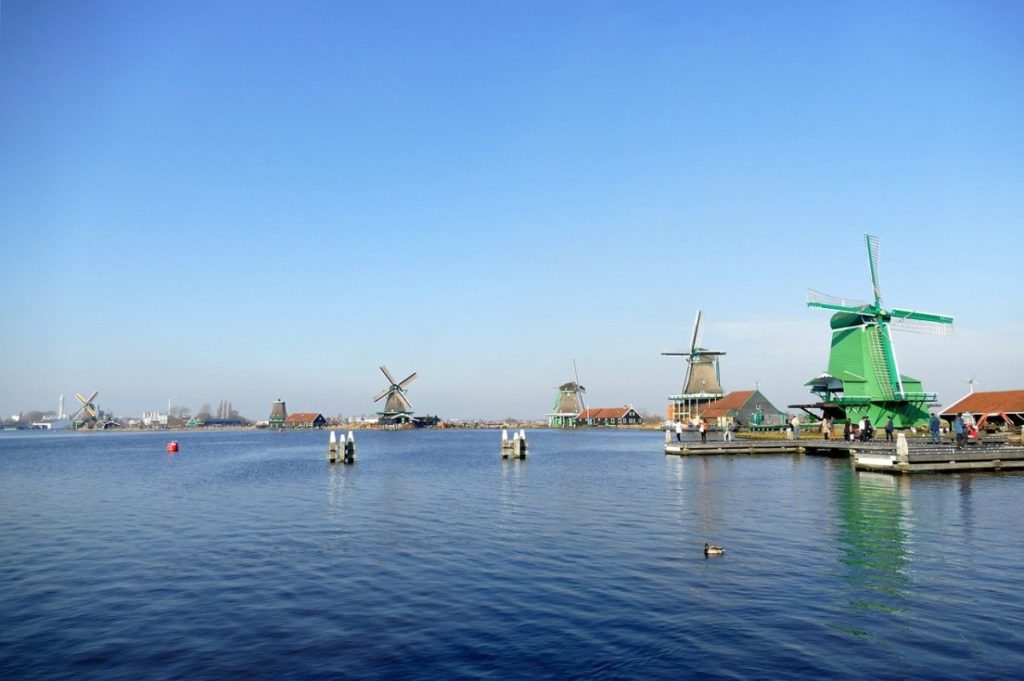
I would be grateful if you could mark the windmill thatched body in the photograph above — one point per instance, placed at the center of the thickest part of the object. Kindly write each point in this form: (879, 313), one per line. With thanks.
(863, 377)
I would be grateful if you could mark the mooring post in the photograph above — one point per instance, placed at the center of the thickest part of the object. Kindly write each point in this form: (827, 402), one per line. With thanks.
(332, 448)
(350, 448)
(902, 451)
(668, 436)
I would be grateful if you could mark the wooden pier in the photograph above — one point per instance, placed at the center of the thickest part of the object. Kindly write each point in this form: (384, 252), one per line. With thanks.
(918, 456)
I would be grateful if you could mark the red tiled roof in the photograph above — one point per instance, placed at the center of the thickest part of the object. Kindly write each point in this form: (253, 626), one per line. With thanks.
(723, 405)
(302, 417)
(604, 413)
(993, 402)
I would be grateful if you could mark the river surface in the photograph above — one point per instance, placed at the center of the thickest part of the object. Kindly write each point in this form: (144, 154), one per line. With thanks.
(247, 556)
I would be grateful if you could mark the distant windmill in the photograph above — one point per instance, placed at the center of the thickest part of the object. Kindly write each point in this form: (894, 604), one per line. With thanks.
(862, 363)
(971, 382)
(569, 403)
(702, 382)
(87, 413)
(397, 407)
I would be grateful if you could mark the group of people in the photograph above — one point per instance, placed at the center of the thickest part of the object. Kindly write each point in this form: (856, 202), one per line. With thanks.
(863, 430)
(702, 428)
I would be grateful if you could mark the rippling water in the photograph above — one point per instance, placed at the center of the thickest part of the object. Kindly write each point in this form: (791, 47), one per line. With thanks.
(247, 556)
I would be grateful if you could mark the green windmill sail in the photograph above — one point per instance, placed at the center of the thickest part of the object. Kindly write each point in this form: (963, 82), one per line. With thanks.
(863, 377)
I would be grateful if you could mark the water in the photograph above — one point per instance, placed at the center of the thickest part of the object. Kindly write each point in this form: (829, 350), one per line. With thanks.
(247, 556)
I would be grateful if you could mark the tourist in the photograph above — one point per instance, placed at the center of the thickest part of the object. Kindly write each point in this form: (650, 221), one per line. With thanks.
(703, 431)
(826, 427)
(958, 431)
(796, 427)
(888, 430)
(847, 431)
(679, 431)
(933, 428)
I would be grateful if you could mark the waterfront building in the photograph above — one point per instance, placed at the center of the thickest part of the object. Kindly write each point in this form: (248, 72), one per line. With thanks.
(1000, 407)
(609, 416)
(305, 420)
(749, 406)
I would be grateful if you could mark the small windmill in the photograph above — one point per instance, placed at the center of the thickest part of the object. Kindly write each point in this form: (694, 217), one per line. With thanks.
(702, 381)
(87, 413)
(863, 377)
(569, 403)
(397, 407)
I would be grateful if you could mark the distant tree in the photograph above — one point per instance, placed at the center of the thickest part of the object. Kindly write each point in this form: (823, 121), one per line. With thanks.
(204, 412)
(180, 413)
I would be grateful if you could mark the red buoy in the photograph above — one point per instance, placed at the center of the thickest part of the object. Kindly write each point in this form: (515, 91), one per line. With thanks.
(172, 446)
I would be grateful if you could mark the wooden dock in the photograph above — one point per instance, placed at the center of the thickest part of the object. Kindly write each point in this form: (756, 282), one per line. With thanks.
(943, 458)
(921, 456)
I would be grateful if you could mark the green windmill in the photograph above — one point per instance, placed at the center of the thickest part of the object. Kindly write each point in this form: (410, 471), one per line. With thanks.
(863, 378)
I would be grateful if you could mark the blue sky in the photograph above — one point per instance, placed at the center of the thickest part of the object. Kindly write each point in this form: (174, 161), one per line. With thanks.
(251, 200)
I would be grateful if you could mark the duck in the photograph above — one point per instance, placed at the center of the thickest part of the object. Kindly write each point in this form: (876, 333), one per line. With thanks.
(710, 550)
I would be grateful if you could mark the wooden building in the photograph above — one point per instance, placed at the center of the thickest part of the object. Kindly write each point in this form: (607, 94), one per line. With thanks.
(999, 408)
(609, 416)
(307, 419)
(749, 406)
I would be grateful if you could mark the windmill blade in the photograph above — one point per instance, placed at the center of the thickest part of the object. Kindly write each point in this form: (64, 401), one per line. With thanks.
(407, 380)
(872, 244)
(382, 394)
(825, 301)
(696, 331)
(87, 406)
(579, 388)
(925, 326)
(387, 374)
(920, 316)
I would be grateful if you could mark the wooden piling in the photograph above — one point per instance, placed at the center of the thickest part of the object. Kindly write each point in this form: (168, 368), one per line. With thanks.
(514, 448)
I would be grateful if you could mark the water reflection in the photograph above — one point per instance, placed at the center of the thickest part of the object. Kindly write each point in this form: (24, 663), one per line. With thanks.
(340, 480)
(873, 529)
(512, 471)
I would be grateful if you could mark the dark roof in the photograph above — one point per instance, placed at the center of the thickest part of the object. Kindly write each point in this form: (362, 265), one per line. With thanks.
(992, 402)
(604, 413)
(303, 417)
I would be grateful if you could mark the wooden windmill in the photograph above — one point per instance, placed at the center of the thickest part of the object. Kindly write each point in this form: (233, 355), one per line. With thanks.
(702, 383)
(397, 408)
(87, 414)
(569, 403)
(863, 377)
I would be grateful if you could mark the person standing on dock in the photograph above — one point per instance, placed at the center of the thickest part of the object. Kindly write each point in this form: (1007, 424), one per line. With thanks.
(796, 427)
(703, 431)
(933, 428)
(958, 429)
(847, 431)
(888, 430)
(679, 431)
(826, 427)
